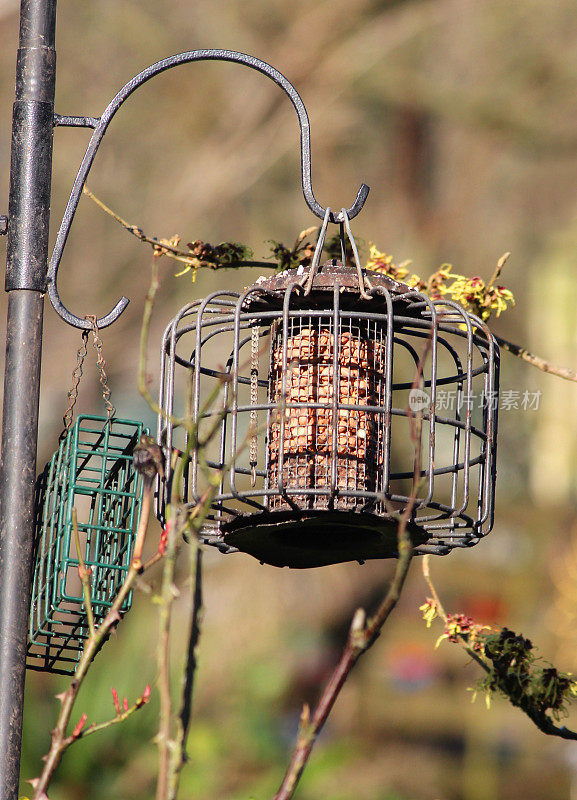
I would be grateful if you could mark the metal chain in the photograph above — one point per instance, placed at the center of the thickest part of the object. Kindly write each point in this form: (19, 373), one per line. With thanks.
(101, 363)
(73, 392)
(77, 375)
(253, 447)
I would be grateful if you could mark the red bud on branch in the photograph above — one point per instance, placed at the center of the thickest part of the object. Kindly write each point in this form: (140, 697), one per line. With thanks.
(84, 572)
(115, 700)
(145, 697)
(164, 538)
(78, 729)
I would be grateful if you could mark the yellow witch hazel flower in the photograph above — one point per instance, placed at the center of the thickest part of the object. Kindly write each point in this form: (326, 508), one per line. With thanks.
(488, 697)
(429, 609)
(379, 262)
(460, 626)
(498, 298)
(452, 631)
(444, 272)
(475, 296)
(415, 282)
(383, 264)
(468, 292)
(471, 293)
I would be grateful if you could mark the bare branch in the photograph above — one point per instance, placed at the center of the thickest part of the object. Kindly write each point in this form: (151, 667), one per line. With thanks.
(536, 361)
(167, 595)
(121, 717)
(444, 616)
(539, 718)
(83, 574)
(164, 247)
(500, 264)
(60, 741)
(183, 723)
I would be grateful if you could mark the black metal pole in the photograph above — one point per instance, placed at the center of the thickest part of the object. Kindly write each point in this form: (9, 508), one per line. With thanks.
(29, 214)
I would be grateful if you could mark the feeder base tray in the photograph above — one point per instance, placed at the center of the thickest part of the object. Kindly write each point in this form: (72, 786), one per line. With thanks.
(316, 540)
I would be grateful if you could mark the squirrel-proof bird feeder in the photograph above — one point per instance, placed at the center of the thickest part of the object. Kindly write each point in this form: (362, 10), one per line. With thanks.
(325, 375)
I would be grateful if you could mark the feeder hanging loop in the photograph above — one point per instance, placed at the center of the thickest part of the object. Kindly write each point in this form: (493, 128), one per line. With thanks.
(363, 279)
(309, 279)
(345, 226)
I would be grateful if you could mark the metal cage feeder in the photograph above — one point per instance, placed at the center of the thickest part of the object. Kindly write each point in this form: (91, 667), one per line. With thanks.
(314, 442)
(92, 471)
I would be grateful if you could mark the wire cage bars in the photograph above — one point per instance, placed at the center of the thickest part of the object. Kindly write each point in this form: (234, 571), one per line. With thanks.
(92, 472)
(313, 431)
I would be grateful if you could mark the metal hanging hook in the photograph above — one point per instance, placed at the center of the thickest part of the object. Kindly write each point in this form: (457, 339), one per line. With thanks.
(101, 124)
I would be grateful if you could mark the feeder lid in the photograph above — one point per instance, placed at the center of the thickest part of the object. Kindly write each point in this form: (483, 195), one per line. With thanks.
(328, 274)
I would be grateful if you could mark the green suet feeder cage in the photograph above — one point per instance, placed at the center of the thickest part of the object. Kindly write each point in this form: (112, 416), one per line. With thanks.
(92, 471)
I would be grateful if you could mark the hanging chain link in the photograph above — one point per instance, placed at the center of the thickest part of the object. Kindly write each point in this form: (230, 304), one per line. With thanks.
(101, 364)
(253, 446)
(73, 392)
(77, 375)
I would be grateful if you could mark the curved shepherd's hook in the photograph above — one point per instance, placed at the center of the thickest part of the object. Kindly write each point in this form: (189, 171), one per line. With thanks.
(100, 125)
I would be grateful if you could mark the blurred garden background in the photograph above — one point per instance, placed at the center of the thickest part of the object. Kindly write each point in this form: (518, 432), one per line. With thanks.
(462, 117)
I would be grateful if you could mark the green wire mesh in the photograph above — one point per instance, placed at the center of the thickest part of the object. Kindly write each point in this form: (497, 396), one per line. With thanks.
(91, 471)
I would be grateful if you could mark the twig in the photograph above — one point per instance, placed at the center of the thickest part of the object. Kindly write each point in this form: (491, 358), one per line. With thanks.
(539, 719)
(148, 492)
(84, 574)
(185, 715)
(152, 560)
(500, 264)
(536, 361)
(363, 632)
(196, 613)
(60, 742)
(168, 589)
(164, 248)
(194, 521)
(166, 745)
(144, 330)
(444, 616)
(545, 725)
(172, 756)
(522, 352)
(142, 359)
(123, 715)
(166, 599)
